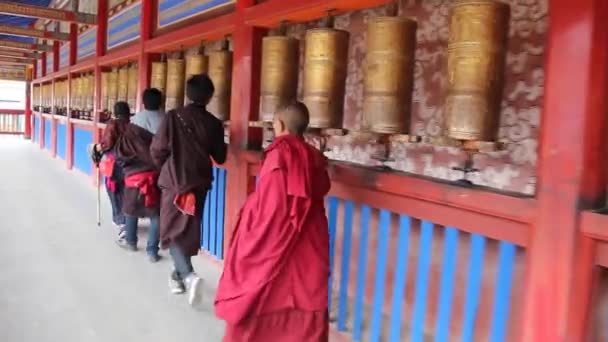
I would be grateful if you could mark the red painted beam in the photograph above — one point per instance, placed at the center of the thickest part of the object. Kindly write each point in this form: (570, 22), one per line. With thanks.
(571, 171)
(30, 32)
(121, 56)
(12, 111)
(19, 54)
(594, 225)
(11, 44)
(85, 65)
(31, 11)
(16, 61)
(272, 12)
(211, 29)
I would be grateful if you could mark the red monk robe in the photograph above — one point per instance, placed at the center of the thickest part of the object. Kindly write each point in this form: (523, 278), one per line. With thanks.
(275, 281)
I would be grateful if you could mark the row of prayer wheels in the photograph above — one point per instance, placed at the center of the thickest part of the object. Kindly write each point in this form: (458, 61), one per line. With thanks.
(170, 77)
(476, 60)
(44, 97)
(61, 97)
(119, 84)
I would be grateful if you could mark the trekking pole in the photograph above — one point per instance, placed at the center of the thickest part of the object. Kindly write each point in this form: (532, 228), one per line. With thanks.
(98, 197)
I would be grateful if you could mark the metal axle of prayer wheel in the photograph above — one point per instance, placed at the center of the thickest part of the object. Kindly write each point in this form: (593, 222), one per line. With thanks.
(196, 64)
(175, 82)
(325, 67)
(220, 72)
(477, 48)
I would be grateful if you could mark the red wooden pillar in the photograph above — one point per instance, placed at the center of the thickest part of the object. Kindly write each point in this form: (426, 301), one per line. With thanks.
(53, 121)
(72, 57)
(149, 12)
(571, 173)
(100, 50)
(247, 51)
(28, 110)
(43, 64)
(56, 52)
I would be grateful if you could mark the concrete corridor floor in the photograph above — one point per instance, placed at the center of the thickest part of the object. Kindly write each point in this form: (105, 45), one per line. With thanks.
(63, 279)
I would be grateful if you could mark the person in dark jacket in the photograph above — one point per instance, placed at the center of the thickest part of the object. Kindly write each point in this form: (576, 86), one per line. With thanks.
(188, 140)
(131, 147)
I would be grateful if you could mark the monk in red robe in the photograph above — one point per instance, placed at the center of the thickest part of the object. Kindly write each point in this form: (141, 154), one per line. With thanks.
(275, 282)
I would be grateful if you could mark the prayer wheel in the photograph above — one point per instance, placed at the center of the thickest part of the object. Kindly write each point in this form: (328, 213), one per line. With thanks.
(325, 63)
(158, 78)
(105, 77)
(220, 72)
(389, 74)
(175, 83)
(279, 83)
(132, 87)
(112, 89)
(76, 99)
(477, 48)
(89, 90)
(123, 84)
(195, 65)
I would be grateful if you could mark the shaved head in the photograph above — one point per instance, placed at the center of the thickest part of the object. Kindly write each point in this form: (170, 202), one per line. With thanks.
(293, 117)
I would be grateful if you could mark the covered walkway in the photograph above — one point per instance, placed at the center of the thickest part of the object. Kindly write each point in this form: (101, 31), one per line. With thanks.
(64, 279)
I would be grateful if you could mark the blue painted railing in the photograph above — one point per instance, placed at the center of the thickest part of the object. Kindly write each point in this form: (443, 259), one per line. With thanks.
(212, 227)
(82, 160)
(398, 278)
(35, 129)
(61, 140)
(48, 141)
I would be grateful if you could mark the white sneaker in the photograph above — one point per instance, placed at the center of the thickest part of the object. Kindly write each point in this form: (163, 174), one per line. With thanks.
(195, 289)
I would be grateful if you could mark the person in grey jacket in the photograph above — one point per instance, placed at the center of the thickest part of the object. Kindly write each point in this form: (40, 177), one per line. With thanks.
(152, 115)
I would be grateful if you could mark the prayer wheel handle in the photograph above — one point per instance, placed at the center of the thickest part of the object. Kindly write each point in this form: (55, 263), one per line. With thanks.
(392, 9)
(201, 48)
(225, 44)
(328, 20)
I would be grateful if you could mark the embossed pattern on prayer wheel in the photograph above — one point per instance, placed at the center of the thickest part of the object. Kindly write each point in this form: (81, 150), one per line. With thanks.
(35, 96)
(389, 74)
(112, 89)
(158, 78)
(123, 84)
(175, 83)
(195, 65)
(220, 72)
(279, 83)
(105, 76)
(325, 64)
(476, 61)
(132, 87)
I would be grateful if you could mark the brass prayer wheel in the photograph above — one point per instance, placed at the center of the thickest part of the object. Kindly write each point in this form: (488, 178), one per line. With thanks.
(112, 89)
(105, 76)
(389, 74)
(195, 65)
(477, 48)
(77, 93)
(175, 83)
(279, 84)
(158, 77)
(325, 66)
(132, 87)
(123, 84)
(220, 72)
(90, 95)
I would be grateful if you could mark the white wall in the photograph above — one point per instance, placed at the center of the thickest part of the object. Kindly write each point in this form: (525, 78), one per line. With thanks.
(12, 94)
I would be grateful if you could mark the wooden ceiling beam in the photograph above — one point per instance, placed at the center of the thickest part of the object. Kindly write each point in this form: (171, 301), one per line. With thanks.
(31, 11)
(30, 32)
(15, 45)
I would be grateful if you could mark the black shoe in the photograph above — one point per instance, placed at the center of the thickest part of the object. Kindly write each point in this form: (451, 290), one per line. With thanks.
(154, 258)
(176, 284)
